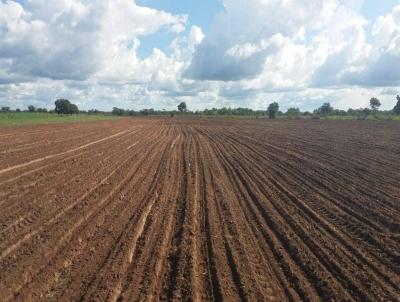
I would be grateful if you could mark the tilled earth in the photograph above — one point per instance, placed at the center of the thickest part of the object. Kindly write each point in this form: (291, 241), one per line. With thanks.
(199, 210)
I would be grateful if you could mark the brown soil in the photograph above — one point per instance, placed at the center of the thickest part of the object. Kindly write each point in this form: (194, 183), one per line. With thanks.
(200, 210)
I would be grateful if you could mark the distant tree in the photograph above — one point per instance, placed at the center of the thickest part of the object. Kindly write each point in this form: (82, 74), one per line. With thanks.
(62, 106)
(365, 113)
(94, 111)
(31, 108)
(339, 112)
(17, 110)
(374, 103)
(65, 107)
(118, 111)
(5, 109)
(43, 110)
(132, 112)
(396, 108)
(73, 109)
(147, 112)
(272, 110)
(182, 107)
(293, 112)
(325, 109)
(351, 112)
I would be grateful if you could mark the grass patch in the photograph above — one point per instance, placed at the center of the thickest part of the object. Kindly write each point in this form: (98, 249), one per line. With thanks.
(30, 118)
(377, 117)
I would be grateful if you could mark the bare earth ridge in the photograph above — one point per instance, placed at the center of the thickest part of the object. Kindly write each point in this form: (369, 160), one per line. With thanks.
(200, 210)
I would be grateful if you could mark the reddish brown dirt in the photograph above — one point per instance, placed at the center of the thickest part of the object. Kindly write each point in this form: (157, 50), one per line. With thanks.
(200, 209)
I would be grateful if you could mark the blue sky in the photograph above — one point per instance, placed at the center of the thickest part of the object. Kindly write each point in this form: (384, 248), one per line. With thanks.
(375, 8)
(201, 13)
(211, 53)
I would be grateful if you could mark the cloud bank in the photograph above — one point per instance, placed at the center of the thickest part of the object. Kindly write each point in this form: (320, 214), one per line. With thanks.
(297, 52)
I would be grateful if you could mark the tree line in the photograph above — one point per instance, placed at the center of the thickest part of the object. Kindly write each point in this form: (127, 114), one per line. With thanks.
(327, 110)
(64, 106)
(272, 111)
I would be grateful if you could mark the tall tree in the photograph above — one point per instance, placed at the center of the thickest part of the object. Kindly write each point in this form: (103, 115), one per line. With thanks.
(374, 103)
(325, 109)
(396, 108)
(65, 107)
(273, 109)
(62, 106)
(182, 107)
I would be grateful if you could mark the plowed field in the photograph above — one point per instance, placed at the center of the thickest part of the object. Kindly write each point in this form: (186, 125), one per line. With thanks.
(200, 209)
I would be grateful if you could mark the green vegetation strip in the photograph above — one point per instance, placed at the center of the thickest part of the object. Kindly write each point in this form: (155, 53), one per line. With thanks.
(30, 118)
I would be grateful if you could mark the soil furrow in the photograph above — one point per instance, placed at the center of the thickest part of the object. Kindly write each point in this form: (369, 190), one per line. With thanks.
(196, 209)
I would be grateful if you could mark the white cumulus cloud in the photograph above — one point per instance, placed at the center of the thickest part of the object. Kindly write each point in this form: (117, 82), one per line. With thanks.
(298, 52)
(74, 39)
